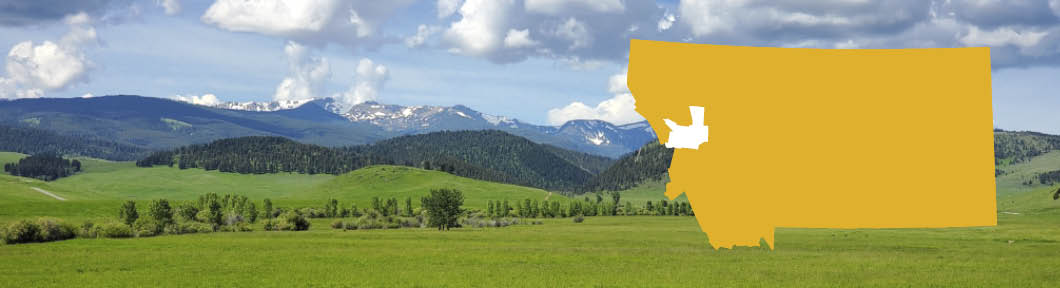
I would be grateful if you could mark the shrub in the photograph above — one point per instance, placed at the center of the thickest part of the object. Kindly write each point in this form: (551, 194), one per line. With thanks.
(349, 225)
(23, 231)
(54, 230)
(147, 227)
(88, 230)
(232, 218)
(337, 224)
(189, 227)
(297, 222)
(115, 230)
(289, 221)
(579, 219)
(240, 227)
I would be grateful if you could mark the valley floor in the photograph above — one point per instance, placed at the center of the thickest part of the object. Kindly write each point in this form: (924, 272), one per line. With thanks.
(603, 251)
(631, 251)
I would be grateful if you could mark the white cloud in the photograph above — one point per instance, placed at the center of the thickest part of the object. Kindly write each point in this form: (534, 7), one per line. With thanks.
(271, 17)
(576, 32)
(447, 8)
(349, 23)
(369, 81)
(519, 39)
(205, 100)
(619, 109)
(479, 28)
(171, 7)
(423, 32)
(1001, 37)
(33, 69)
(556, 7)
(307, 76)
(666, 22)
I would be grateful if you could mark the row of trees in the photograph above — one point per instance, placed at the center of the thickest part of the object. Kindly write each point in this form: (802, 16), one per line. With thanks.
(552, 209)
(46, 167)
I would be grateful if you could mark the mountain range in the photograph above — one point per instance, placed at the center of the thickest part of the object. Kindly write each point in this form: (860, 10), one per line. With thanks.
(156, 123)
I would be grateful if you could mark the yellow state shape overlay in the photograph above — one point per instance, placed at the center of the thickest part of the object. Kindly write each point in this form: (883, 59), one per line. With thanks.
(823, 138)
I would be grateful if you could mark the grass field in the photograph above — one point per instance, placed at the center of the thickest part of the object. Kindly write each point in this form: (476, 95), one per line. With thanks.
(637, 251)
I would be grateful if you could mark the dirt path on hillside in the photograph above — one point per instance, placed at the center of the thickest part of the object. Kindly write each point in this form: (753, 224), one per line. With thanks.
(549, 195)
(45, 192)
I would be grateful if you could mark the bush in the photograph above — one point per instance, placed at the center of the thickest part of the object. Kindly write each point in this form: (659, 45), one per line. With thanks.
(147, 227)
(579, 219)
(337, 224)
(54, 230)
(289, 221)
(240, 227)
(115, 230)
(349, 225)
(23, 231)
(188, 228)
(88, 230)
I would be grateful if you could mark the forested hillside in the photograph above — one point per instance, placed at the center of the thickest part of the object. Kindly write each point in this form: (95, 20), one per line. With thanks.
(650, 162)
(486, 155)
(1015, 147)
(36, 141)
(262, 154)
(519, 160)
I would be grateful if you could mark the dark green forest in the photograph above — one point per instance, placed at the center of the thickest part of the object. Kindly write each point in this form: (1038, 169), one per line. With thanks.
(650, 162)
(515, 159)
(31, 141)
(485, 155)
(46, 167)
(1015, 147)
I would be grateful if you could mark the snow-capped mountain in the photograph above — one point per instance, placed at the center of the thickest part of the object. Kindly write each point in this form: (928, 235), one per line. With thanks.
(328, 104)
(591, 136)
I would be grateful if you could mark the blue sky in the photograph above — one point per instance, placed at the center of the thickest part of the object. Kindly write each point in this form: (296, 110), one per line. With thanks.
(542, 61)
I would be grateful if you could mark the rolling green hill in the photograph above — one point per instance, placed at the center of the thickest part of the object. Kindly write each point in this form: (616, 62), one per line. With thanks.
(400, 182)
(98, 191)
(489, 155)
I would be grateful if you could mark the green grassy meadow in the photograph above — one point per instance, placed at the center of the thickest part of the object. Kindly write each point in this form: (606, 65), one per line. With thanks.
(624, 251)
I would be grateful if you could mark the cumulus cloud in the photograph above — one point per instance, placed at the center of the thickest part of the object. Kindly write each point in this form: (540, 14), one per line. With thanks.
(33, 69)
(619, 109)
(447, 8)
(171, 7)
(205, 100)
(350, 23)
(518, 39)
(666, 22)
(571, 31)
(423, 32)
(369, 80)
(307, 74)
(1020, 33)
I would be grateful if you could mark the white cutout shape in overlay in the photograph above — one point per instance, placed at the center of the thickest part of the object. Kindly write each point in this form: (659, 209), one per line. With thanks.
(688, 137)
